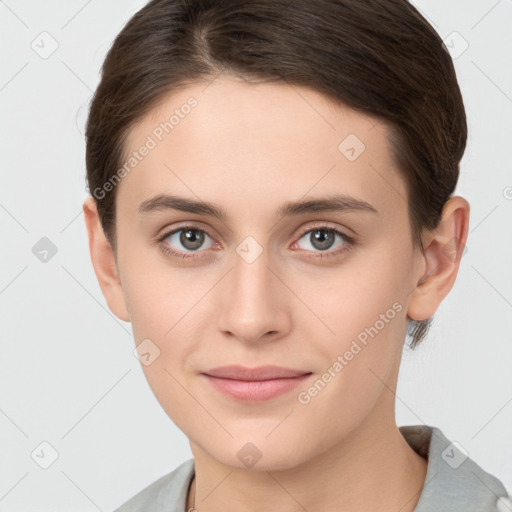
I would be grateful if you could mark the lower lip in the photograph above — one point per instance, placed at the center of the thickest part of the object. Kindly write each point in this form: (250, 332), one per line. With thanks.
(255, 391)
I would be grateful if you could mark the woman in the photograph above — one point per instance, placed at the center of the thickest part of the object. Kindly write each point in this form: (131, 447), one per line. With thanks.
(272, 209)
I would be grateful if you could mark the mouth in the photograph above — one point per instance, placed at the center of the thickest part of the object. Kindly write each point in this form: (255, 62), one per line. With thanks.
(255, 385)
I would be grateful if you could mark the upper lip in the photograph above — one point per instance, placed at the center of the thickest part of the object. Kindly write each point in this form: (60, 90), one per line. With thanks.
(261, 373)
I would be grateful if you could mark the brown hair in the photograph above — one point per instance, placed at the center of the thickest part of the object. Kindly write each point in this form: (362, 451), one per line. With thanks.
(380, 57)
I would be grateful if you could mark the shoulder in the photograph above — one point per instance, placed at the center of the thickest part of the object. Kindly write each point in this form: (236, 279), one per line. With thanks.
(504, 504)
(167, 493)
(454, 481)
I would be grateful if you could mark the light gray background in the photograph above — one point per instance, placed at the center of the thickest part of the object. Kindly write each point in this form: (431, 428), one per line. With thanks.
(69, 376)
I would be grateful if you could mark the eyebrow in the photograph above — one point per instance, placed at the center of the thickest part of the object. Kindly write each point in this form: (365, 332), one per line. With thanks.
(336, 203)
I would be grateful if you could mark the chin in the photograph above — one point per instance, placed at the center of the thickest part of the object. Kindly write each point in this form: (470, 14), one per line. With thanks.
(244, 454)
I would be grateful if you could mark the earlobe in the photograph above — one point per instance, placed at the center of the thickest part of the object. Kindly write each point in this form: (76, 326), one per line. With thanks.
(104, 262)
(441, 260)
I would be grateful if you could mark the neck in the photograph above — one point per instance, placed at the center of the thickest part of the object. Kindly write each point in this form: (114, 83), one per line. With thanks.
(372, 469)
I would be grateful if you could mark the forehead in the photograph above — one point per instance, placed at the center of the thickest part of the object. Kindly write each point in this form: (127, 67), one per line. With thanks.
(258, 145)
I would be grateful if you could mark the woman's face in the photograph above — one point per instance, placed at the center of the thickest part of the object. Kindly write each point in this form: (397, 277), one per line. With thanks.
(256, 287)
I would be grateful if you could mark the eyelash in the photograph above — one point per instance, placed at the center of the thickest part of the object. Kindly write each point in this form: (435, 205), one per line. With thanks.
(349, 242)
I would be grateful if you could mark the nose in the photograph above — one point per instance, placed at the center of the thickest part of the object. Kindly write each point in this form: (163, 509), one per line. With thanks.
(254, 301)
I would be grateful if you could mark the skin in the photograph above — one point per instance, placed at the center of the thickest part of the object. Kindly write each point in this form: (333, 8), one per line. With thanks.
(249, 149)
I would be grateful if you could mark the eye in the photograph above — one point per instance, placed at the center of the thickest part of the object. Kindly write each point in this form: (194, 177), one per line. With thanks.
(186, 238)
(186, 242)
(322, 239)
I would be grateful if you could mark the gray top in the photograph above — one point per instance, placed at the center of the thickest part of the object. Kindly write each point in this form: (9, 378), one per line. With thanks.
(454, 482)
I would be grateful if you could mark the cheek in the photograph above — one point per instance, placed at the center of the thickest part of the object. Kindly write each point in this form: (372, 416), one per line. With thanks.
(162, 297)
(163, 313)
(364, 323)
(351, 298)
(365, 312)
(164, 306)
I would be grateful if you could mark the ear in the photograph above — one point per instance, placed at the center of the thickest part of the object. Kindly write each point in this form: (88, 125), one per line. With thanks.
(441, 259)
(104, 262)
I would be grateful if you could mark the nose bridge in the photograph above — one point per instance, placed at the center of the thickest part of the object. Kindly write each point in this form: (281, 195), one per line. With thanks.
(250, 305)
(251, 286)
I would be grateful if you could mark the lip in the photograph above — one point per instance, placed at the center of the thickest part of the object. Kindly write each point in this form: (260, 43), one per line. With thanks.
(257, 384)
(251, 374)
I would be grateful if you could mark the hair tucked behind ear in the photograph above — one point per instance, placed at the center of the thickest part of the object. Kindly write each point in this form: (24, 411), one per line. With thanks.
(380, 57)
